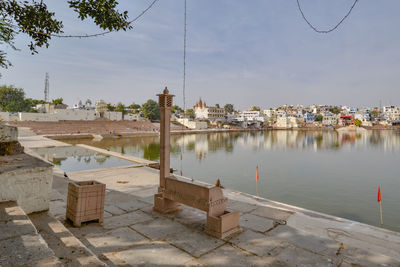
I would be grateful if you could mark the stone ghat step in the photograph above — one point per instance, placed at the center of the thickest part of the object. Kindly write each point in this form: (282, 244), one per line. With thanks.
(20, 243)
(70, 250)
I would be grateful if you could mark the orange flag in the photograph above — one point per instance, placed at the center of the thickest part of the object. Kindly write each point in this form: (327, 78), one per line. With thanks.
(257, 173)
(379, 194)
(181, 155)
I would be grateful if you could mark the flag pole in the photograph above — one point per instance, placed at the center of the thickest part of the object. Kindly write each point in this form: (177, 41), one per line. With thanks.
(257, 180)
(380, 203)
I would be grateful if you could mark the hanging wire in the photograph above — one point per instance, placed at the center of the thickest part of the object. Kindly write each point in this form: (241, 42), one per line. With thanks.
(184, 63)
(91, 35)
(330, 30)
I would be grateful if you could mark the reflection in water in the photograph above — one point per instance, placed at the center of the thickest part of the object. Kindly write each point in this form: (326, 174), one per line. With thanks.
(76, 159)
(202, 144)
(327, 171)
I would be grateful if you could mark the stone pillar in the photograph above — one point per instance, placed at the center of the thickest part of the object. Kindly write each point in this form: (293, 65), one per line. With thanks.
(162, 204)
(165, 105)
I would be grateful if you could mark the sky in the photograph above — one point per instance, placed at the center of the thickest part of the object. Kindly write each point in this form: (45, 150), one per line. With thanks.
(258, 52)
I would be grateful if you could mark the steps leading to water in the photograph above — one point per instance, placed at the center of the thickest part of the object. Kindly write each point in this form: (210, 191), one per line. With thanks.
(20, 243)
(39, 240)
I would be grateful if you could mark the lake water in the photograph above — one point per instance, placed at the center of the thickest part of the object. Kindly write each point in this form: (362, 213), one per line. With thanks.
(326, 171)
(72, 159)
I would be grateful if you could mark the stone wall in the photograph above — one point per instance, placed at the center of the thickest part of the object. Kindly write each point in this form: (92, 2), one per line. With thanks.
(27, 180)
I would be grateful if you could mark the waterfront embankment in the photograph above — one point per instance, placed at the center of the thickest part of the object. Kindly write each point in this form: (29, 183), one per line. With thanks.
(273, 233)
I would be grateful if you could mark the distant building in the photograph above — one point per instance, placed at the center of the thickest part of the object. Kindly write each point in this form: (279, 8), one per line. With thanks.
(202, 111)
(330, 119)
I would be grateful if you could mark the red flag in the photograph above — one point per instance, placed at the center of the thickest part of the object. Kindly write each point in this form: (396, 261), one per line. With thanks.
(181, 155)
(379, 194)
(257, 173)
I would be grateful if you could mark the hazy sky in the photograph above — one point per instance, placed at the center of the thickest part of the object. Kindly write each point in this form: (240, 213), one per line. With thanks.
(257, 52)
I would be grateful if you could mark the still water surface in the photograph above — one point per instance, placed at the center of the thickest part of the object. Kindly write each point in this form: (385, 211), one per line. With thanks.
(326, 171)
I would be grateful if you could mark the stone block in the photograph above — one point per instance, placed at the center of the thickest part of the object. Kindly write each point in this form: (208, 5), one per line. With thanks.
(153, 254)
(27, 180)
(8, 133)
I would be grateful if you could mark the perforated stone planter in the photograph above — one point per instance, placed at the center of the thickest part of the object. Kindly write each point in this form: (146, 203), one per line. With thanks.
(85, 202)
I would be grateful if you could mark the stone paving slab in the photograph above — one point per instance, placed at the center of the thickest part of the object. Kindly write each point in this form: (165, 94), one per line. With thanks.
(294, 256)
(227, 255)
(305, 240)
(158, 228)
(193, 242)
(126, 219)
(256, 243)
(152, 254)
(272, 213)
(114, 210)
(234, 205)
(114, 240)
(132, 205)
(256, 223)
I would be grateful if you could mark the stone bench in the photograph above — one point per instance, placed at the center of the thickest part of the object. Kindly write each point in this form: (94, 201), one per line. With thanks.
(220, 222)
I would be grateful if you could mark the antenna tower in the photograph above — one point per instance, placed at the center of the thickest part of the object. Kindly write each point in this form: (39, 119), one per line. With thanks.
(46, 88)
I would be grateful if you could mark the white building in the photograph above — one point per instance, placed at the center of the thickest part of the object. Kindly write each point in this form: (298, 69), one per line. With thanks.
(330, 119)
(208, 113)
(391, 113)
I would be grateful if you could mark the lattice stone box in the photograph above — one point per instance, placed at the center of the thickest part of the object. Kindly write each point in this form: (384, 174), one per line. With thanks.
(85, 202)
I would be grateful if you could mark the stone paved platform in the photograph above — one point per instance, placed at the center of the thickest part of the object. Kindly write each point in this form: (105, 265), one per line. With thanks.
(134, 235)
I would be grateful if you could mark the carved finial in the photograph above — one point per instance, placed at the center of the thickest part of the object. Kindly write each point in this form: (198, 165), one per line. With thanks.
(166, 92)
(218, 183)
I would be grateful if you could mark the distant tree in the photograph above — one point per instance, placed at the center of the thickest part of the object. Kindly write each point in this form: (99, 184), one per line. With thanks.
(57, 101)
(151, 110)
(120, 108)
(319, 117)
(358, 123)
(134, 106)
(110, 107)
(375, 113)
(217, 105)
(334, 110)
(190, 112)
(255, 108)
(228, 108)
(32, 103)
(13, 99)
(176, 108)
(80, 104)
